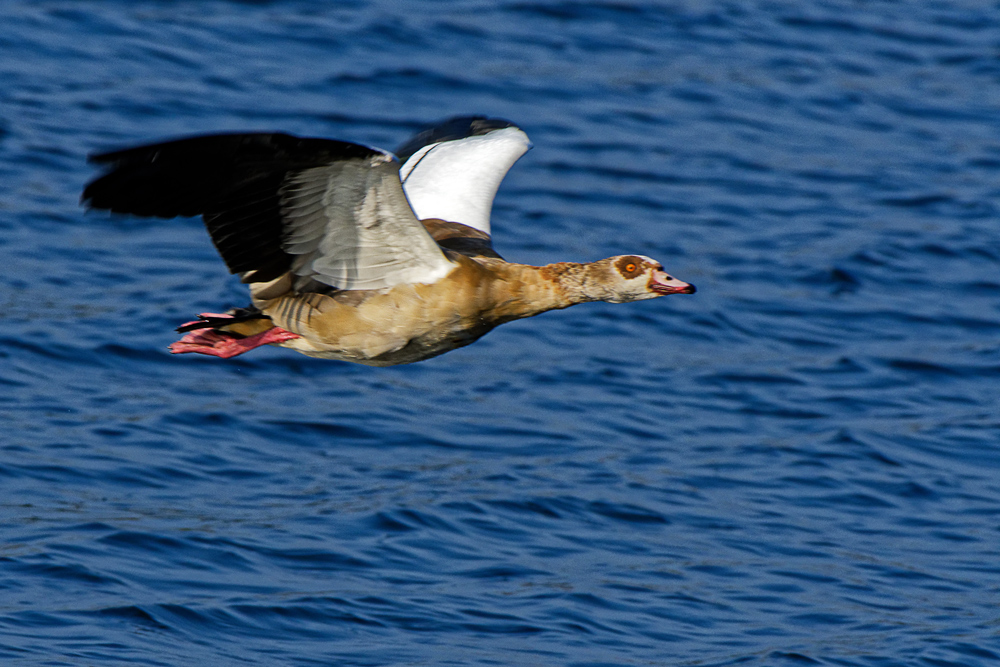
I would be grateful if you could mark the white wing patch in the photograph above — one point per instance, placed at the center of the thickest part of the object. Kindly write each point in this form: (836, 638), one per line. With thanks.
(348, 225)
(456, 181)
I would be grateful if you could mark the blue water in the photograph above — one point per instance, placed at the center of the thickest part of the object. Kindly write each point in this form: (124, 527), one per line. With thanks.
(798, 465)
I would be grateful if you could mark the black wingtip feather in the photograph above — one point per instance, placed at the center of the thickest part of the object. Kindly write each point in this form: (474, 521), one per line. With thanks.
(232, 180)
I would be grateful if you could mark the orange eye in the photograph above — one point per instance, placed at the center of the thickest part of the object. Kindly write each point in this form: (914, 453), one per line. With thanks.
(629, 268)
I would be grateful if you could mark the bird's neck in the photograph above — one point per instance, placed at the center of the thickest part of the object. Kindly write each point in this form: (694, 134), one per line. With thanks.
(524, 290)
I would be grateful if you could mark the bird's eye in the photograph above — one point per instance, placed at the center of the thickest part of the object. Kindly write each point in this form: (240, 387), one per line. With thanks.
(629, 267)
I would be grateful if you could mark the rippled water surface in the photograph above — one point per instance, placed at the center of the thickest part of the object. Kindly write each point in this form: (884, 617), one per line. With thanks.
(797, 465)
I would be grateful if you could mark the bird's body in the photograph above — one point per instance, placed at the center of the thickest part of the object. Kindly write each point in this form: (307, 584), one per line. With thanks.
(338, 264)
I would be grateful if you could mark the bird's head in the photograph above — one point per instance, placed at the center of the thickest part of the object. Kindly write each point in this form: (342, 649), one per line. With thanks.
(633, 278)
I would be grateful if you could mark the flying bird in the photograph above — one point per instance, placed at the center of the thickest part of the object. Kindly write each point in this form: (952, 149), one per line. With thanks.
(349, 255)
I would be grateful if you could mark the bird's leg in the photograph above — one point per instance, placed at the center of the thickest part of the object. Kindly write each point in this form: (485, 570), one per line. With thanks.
(223, 344)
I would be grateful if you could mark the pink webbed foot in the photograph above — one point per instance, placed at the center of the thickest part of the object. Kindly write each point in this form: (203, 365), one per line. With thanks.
(224, 345)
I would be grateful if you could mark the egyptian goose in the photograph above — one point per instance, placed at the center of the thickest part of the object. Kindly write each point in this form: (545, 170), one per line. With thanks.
(350, 256)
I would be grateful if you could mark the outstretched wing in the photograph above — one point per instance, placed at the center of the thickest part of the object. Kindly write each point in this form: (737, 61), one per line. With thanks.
(452, 171)
(328, 210)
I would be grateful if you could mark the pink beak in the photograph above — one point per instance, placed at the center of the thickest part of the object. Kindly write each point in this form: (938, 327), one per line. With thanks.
(662, 283)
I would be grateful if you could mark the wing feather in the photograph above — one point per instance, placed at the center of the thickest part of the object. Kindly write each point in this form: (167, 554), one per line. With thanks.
(330, 211)
(456, 179)
(349, 225)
